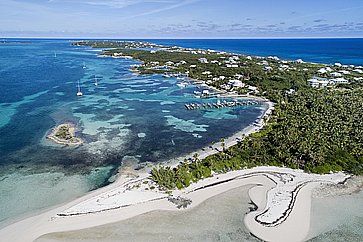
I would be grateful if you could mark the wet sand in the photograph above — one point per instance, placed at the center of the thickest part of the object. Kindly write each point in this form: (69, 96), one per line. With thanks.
(219, 218)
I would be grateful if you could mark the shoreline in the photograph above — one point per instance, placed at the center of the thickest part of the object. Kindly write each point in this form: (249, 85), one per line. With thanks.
(230, 141)
(71, 130)
(128, 197)
(126, 175)
(277, 192)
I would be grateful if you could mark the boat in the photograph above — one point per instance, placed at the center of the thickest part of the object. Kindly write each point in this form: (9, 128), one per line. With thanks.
(79, 93)
(55, 54)
(96, 83)
(84, 66)
(182, 84)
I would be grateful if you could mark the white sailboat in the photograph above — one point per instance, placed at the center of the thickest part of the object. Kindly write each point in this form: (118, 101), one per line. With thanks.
(84, 65)
(79, 93)
(96, 83)
(55, 54)
(182, 84)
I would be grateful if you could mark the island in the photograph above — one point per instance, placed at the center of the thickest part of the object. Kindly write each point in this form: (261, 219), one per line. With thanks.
(310, 136)
(315, 124)
(65, 134)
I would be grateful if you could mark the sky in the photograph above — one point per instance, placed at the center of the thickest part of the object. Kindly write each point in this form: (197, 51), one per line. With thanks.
(181, 18)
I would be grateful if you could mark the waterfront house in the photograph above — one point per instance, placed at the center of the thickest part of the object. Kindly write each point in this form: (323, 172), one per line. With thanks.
(205, 92)
(236, 83)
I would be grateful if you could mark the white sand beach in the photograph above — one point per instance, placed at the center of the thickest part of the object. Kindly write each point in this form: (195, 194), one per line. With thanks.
(219, 218)
(281, 196)
(231, 140)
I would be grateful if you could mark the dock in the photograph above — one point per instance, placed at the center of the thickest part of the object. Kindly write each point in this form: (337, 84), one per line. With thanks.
(219, 104)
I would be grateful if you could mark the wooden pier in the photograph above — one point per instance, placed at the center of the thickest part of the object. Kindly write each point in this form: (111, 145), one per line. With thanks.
(221, 104)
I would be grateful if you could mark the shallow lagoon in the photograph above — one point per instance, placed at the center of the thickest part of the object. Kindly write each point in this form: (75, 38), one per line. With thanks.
(125, 117)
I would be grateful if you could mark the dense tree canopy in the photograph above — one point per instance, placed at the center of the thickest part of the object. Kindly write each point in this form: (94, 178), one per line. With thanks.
(317, 130)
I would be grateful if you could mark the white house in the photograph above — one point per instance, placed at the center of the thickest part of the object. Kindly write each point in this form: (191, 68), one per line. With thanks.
(317, 82)
(340, 80)
(325, 70)
(268, 68)
(290, 91)
(205, 92)
(345, 72)
(252, 88)
(231, 65)
(169, 63)
(336, 74)
(236, 83)
(238, 76)
(274, 58)
(203, 60)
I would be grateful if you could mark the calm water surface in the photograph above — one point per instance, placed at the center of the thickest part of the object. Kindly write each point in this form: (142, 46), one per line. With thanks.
(126, 117)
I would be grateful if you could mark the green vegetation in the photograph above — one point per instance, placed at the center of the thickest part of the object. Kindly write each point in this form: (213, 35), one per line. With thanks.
(64, 133)
(317, 130)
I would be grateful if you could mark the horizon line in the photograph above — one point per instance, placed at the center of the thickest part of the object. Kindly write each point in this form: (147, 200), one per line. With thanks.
(176, 38)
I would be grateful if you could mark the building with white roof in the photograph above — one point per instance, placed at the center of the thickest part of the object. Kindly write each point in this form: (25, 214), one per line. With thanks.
(318, 82)
(336, 74)
(236, 83)
(340, 80)
(203, 60)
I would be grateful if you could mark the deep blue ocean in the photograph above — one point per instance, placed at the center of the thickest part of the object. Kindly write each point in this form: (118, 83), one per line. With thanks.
(125, 119)
(327, 51)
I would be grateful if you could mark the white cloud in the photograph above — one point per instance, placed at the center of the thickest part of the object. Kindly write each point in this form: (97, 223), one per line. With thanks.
(118, 3)
(169, 7)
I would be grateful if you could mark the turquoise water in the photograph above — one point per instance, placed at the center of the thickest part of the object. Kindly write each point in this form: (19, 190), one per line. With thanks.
(338, 218)
(126, 117)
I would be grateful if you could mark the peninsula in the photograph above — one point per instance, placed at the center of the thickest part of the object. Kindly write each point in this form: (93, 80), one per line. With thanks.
(308, 129)
(302, 141)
